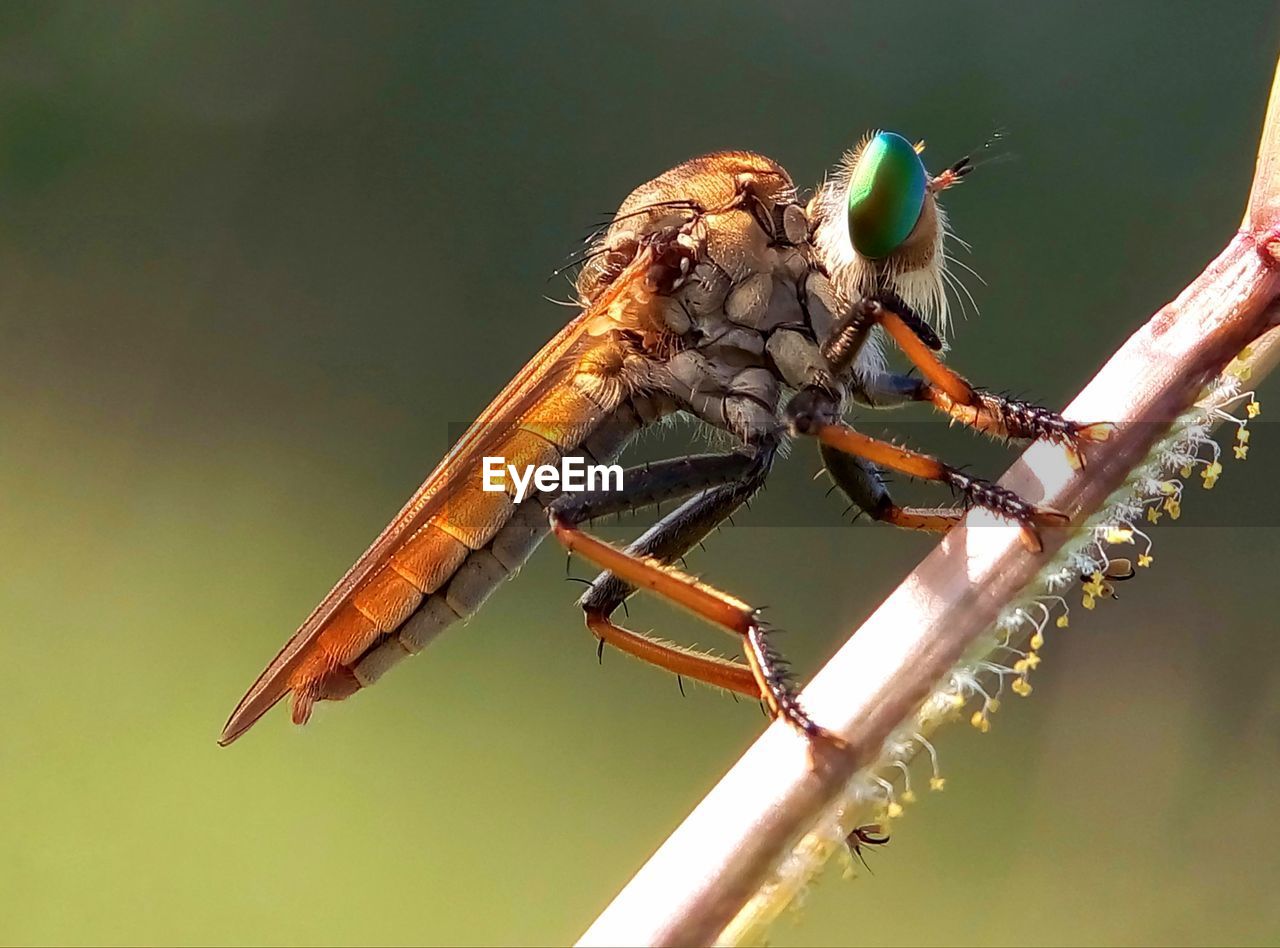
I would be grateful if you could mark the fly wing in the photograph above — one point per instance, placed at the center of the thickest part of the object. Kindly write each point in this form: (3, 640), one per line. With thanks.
(550, 369)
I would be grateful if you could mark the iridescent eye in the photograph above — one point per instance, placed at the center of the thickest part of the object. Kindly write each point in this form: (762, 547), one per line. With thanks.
(886, 195)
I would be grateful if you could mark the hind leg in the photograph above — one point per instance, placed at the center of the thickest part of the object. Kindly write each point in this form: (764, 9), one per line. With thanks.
(645, 565)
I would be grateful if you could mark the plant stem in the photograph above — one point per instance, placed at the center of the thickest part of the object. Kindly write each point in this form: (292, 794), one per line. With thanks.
(711, 866)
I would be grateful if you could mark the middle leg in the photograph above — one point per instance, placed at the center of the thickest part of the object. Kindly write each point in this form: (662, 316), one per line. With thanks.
(863, 483)
(815, 412)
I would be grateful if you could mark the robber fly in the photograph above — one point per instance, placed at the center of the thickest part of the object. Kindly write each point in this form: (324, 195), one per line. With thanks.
(717, 293)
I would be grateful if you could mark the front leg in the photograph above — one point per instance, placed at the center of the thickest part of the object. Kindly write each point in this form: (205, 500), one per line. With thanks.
(943, 387)
(1011, 419)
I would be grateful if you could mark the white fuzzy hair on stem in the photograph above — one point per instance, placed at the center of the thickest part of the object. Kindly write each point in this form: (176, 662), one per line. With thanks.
(773, 819)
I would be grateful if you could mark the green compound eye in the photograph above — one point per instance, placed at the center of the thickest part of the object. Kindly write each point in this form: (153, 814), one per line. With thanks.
(886, 195)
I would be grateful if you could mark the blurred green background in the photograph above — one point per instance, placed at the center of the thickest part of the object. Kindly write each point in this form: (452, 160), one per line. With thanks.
(255, 261)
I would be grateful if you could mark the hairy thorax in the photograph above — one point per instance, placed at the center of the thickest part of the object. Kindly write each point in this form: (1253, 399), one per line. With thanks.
(733, 304)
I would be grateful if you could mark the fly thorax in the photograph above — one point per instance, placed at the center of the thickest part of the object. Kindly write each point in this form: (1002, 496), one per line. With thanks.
(747, 312)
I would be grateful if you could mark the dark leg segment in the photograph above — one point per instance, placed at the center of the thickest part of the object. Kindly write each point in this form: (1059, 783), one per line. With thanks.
(673, 536)
(709, 603)
(722, 480)
(862, 482)
(645, 565)
(650, 484)
(976, 492)
(666, 541)
(814, 412)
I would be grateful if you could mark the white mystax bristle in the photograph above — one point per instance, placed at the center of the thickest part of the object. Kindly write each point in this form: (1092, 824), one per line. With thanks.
(921, 285)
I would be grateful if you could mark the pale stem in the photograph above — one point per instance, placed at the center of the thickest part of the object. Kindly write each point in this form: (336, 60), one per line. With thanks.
(703, 875)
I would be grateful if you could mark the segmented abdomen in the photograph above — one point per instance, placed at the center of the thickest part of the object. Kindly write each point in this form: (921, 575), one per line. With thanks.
(450, 566)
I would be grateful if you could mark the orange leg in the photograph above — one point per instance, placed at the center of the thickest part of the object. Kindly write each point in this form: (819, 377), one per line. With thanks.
(1012, 418)
(921, 356)
(720, 672)
(926, 519)
(976, 492)
(763, 662)
(720, 483)
(946, 389)
(861, 482)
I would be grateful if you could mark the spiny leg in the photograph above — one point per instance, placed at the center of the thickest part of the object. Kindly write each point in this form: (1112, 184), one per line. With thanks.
(666, 541)
(646, 566)
(814, 412)
(862, 482)
(945, 388)
(647, 485)
(685, 663)
(1009, 419)
(725, 482)
(709, 603)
